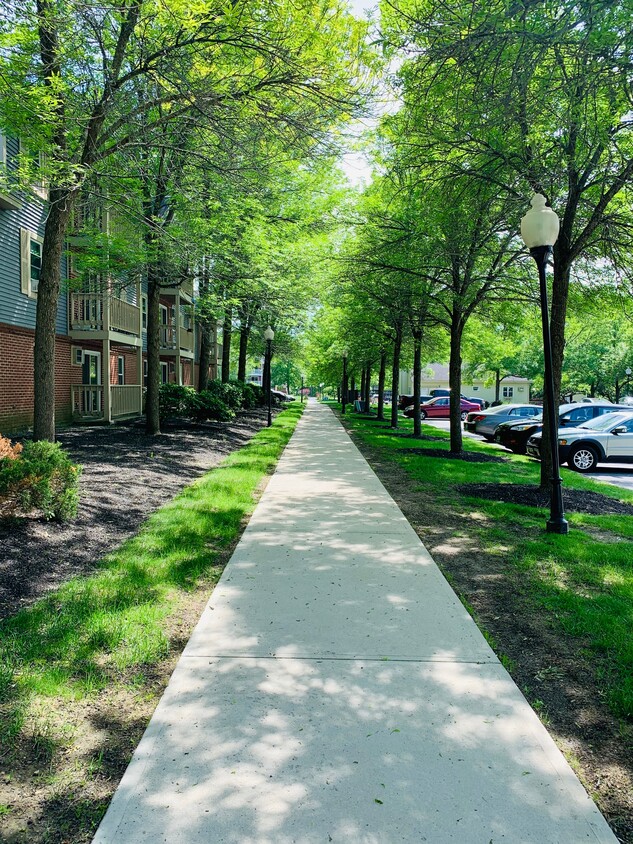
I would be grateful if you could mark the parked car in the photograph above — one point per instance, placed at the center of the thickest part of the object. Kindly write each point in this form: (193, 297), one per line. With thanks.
(606, 439)
(279, 395)
(440, 408)
(406, 401)
(486, 422)
(514, 435)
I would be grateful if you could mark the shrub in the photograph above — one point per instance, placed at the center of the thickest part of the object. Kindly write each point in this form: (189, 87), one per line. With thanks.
(174, 400)
(231, 393)
(253, 395)
(206, 405)
(41, 477)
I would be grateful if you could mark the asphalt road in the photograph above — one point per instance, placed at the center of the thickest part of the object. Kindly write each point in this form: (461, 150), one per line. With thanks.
(618, 474)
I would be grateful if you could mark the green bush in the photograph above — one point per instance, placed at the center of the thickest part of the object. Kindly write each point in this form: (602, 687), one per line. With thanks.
(176, 400)
(205, 405)
(253, 395)
(42, 478)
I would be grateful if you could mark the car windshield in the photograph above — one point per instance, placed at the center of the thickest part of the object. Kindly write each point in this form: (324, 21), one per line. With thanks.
(606, 421)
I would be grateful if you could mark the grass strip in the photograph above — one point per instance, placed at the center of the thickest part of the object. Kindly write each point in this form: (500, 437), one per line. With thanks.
(583, 582)
(96, 631)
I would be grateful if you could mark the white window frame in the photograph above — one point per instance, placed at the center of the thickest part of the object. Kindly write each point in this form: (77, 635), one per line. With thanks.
(507, 392)
(145, 370)
(26, 238)
(3, 149)
(120, 370)
(76, 356)
(164, 372)
(143, 312)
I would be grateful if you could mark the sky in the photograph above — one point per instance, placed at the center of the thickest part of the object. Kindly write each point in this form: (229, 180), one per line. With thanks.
(355, 165)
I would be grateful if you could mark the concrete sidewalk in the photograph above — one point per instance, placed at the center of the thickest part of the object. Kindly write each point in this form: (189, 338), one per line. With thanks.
(335, 690)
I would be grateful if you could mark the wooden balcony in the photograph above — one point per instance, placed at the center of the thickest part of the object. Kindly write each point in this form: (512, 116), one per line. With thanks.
(87, 401)
(169, 339)
(93, 312)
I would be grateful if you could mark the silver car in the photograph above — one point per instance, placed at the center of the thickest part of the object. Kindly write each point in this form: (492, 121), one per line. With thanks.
(486, 422)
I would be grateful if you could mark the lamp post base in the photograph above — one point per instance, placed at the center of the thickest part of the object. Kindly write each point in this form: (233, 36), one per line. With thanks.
(558, 524)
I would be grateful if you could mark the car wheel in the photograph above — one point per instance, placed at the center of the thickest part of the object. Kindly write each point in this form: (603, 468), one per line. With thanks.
(463, 416)
(423, 414)
(488, 438)
(583, 459)
(518, 449)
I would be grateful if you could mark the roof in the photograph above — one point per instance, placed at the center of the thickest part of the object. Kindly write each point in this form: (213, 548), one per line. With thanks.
(439, 372)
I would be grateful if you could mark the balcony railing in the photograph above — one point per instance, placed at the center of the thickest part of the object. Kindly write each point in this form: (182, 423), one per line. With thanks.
(87, 400)
(87, 311)
(168, 337)
(126, 400)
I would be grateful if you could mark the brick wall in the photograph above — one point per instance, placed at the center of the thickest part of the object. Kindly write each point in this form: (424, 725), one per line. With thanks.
(16, 378)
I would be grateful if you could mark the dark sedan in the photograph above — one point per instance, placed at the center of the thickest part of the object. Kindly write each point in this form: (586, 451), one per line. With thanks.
(514, 435)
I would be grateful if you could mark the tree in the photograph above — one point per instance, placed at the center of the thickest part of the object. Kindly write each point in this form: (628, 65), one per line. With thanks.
(292, 66)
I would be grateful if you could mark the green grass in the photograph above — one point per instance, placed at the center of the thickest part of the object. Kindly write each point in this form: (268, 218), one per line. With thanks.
(95, 630)
(582, 582)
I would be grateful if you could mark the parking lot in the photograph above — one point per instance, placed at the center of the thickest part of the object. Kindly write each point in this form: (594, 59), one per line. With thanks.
(618, 474)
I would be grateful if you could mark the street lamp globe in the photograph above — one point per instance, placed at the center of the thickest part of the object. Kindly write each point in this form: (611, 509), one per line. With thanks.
(540, 226)
(269, 334)
(628, 372)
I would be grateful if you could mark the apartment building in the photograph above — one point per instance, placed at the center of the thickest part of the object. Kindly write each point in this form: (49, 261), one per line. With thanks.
(101, 325)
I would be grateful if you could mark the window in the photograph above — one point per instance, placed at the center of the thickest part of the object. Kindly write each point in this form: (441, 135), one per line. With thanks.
(3, 149)
(145, 372)
(121, 370)
(164, 372)
(31, 262)
(144, 312)
(163, 315)
(508, 392)
(76, 356)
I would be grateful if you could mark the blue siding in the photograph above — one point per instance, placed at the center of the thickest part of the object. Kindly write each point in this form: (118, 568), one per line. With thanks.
(16, 308)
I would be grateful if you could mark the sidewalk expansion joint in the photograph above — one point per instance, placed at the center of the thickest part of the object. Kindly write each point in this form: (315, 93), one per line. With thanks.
(358, 658)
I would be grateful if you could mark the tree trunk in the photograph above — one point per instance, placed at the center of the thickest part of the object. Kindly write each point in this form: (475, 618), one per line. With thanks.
(152, 407)
(226, 345)
(497, 384)
(245, 331)
(205, 354)
(395, 377)
(367, 387)
(455, 383)
(417, 381)
(353, 389)
(47, 301)
(381, 384)
(560, 292)
(363, 381)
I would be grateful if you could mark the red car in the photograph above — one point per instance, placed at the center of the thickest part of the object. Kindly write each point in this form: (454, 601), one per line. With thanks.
(440, 408)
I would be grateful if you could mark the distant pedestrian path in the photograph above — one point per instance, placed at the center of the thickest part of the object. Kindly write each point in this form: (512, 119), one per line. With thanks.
(335, 690)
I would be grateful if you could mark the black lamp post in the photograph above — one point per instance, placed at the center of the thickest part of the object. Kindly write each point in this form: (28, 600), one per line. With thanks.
(302, 389)
(344, 396)
(269, 336)
(539, 230)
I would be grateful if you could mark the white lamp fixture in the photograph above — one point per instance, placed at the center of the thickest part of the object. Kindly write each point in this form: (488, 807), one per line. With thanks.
(269, 334)
(540, 226)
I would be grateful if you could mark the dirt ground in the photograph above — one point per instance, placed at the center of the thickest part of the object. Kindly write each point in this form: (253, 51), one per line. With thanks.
(126, 476)
(554, 672)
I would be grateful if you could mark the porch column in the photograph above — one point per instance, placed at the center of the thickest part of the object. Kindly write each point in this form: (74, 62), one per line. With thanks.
(177, 333)
(105, 378)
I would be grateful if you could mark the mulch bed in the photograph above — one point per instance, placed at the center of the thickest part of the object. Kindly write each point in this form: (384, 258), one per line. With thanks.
(126, 476)
(576, 500)
(467, 456)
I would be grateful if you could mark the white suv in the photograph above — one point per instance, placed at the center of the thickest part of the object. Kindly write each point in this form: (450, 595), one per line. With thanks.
(606, 439)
